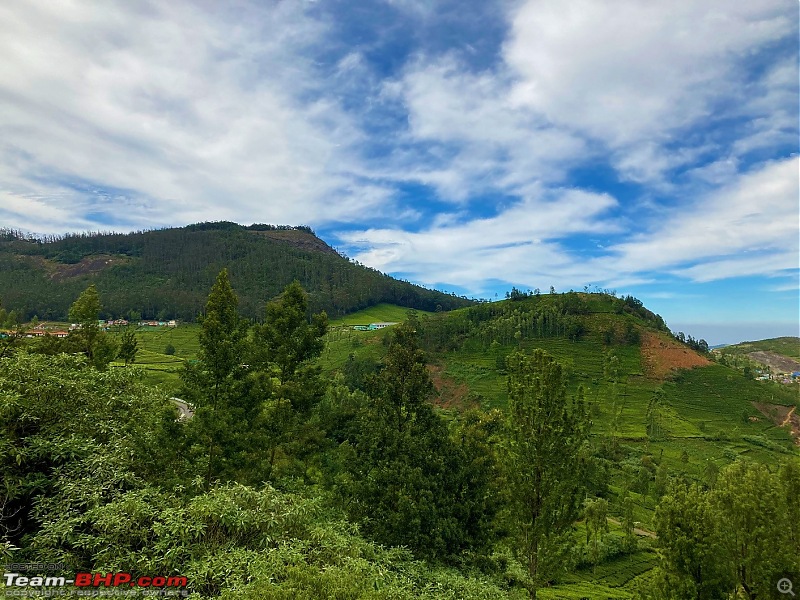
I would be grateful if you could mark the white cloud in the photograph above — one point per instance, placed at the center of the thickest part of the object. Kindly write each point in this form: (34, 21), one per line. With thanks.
(205, 114)
(520, 244)
(636, 83)
(465, 137)
(749, 227)
(633, 71)
(756, 213)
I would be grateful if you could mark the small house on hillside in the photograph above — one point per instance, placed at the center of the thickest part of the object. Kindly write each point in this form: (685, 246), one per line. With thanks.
(374, 326)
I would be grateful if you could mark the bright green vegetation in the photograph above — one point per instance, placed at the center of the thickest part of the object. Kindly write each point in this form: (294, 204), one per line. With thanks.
(707, 418)
(383, 312)
(183, 338)
(167, 273)
(104, 499)
(160, 367)
(314, 455)
(786, 346)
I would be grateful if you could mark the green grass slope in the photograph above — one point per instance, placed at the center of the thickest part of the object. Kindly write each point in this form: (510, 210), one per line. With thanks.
(785, 346)
(621, 358)
(383, 312)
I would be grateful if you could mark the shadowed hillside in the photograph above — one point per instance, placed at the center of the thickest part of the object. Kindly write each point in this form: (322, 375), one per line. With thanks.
(167, 273)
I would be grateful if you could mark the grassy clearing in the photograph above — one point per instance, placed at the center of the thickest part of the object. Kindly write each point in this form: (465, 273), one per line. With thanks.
(183, 338)
(386, 313)
(160, 368)
(340, 342)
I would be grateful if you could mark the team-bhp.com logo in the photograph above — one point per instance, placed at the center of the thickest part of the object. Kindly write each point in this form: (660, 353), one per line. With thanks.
(98, 580)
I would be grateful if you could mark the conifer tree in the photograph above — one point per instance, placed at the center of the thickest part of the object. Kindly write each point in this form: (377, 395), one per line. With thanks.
(544, 455)
(211, 383)
(411, 484)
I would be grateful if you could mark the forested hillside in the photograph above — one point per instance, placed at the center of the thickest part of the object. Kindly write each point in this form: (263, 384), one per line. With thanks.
(167, 273)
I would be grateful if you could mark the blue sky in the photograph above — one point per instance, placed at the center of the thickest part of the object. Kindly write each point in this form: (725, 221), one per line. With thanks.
(646, 147)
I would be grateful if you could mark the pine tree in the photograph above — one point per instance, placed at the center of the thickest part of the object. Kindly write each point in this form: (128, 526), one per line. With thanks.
(286, 338)
(545, 448)
(285, 385)
(410, 484)
(212, 384)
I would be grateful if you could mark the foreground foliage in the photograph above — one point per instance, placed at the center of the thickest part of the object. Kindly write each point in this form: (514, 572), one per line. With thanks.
(286, 484)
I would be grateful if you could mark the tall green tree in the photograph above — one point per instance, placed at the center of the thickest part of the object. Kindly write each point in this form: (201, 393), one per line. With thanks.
(689, 544)
(212, 384)
(755, 533)
(11, 332)
(409, 482)
(284, 382)
(286, 338)
(655, 416)
(544, 453)
(595, 513)
(790, 480)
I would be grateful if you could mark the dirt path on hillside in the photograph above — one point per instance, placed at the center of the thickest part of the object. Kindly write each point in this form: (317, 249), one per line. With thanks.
(451, 393)
(782, 416)
(661, 356)
(185, 410)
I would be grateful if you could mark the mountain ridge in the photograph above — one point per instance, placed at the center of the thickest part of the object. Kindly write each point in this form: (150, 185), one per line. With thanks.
(166, 273)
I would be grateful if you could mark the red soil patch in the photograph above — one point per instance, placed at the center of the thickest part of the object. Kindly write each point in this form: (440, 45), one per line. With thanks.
(662, 356)
(451, 394)
(782, 416)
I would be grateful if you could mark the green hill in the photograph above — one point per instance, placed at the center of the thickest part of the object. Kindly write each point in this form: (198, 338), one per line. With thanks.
(167, 273)
(707, 414)
(785, 346)
(621, 355)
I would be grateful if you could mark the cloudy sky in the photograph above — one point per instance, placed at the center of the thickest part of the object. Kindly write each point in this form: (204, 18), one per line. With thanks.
(646, 147)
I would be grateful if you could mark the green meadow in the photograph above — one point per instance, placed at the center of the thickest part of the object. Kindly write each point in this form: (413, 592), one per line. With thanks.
(380, 313)
(161, 368)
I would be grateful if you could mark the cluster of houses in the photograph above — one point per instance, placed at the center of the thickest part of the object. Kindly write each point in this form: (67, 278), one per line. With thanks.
(41, 331)
(170, 323)
(44, 329)
(372, 326)
(766, 375)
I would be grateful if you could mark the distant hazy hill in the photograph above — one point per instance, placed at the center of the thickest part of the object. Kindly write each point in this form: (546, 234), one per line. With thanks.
(169, 272)
(782, 354)
(785, 346)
